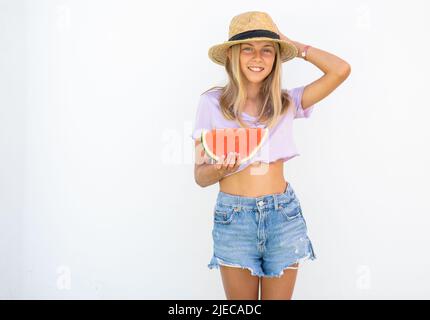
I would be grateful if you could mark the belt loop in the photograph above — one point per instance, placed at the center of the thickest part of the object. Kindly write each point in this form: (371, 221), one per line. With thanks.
(275, 200)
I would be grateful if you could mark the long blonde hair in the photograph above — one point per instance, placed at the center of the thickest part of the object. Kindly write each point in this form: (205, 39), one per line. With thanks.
(233, 95)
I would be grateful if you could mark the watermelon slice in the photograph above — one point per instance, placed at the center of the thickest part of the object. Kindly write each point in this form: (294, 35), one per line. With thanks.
(245, 141)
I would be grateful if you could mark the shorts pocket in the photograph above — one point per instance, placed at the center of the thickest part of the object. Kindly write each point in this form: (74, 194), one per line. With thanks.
(290, 212)
(224, 215)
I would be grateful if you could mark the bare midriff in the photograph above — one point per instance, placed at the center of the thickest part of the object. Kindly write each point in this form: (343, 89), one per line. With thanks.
(257, 179)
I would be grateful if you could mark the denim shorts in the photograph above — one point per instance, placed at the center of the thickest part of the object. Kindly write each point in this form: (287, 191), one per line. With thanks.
(265, 234)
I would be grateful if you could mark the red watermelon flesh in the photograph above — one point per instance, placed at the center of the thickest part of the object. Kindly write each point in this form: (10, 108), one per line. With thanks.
(245, 141)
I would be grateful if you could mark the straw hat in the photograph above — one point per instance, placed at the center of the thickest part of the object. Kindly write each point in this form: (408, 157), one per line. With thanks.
(252, 26)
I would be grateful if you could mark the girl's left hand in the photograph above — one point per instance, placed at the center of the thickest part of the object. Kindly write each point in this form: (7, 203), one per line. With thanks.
(296, 44)
(283, 37)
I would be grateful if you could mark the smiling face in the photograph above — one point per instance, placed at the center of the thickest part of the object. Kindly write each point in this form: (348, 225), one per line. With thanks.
(256, 59)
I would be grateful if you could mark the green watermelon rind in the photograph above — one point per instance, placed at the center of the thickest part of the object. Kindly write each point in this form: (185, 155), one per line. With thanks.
(265, 133)
(206, 148)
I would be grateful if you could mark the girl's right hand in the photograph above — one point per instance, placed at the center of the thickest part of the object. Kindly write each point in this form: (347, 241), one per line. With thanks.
(229, 164)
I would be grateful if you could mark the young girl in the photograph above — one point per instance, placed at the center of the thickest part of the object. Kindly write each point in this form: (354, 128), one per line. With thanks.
(259, 231)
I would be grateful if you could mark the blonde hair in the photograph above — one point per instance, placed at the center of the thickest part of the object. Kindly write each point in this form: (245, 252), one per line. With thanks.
(233, 95)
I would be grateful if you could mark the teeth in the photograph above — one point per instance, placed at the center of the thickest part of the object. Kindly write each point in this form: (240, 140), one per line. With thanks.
(255, 69)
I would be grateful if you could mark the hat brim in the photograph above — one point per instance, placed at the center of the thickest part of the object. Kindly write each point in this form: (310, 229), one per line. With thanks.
(218, 53)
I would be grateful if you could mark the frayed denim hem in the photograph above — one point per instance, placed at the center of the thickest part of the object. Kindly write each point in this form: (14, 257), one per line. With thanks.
(216, 262)
(310, 256)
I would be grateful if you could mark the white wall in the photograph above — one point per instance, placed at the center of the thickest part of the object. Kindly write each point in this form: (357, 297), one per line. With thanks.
(97, 193)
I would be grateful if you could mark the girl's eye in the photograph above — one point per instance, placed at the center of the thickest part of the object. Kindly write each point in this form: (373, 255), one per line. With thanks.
(249, 49)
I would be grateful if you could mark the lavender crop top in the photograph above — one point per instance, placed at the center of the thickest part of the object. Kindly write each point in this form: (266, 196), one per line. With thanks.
(280, 143)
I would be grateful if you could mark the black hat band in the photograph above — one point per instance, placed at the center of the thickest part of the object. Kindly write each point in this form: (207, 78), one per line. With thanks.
(255, 34)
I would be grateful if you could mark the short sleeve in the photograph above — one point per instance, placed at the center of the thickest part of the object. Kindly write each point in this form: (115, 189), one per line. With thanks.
(296, 95)
(203, 117)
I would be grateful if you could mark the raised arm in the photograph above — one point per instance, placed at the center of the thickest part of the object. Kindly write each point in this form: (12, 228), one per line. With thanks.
(335, 69)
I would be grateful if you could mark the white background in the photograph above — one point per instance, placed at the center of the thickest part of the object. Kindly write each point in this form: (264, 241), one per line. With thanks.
(97, 192)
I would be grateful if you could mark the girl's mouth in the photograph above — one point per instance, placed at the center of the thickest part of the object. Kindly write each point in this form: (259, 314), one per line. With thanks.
(256, 69)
